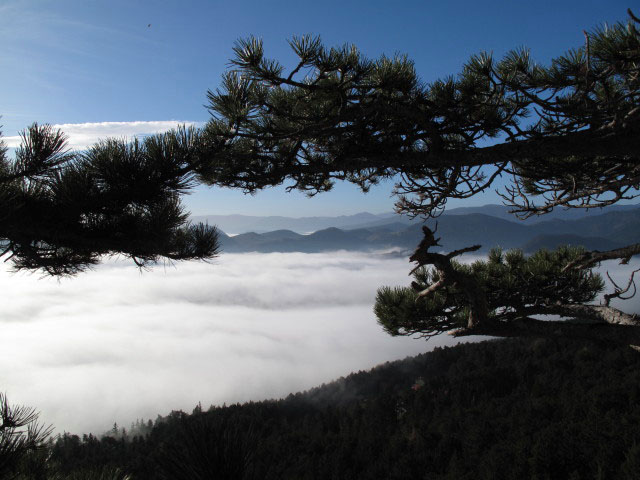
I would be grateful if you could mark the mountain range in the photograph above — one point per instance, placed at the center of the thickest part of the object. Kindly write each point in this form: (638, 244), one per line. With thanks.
(604, 231)
(236, 224)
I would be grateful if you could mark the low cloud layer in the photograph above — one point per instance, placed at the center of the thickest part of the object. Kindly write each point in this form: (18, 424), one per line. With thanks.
(83, 135)
(117, 345)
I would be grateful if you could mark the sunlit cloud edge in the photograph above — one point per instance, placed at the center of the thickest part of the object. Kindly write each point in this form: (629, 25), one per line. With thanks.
(83, 135)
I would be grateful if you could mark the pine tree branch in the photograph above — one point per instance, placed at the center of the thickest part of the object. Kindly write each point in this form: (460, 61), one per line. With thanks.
(619, 291)
(360, 120)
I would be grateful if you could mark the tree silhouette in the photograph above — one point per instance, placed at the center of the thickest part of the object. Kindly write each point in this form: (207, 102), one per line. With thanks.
(566, 134)
(20, 435)
(63, 210)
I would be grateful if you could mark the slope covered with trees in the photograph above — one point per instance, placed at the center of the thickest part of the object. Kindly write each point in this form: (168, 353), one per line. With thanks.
(508, 409)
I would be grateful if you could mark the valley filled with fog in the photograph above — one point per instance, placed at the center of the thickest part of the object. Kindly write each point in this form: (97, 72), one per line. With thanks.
(117, 344)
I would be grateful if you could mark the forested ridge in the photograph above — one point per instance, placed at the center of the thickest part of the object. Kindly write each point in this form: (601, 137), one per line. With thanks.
(507, 409)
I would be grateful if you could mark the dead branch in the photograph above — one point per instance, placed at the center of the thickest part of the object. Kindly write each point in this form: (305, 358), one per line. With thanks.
(590, 259)
(449, 276)
(619, 291)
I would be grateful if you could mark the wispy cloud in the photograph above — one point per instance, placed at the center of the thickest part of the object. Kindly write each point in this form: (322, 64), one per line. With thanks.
(50, 29)
(83, 135)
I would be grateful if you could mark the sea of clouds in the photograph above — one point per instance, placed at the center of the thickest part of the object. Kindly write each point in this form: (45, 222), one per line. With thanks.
(116, 344)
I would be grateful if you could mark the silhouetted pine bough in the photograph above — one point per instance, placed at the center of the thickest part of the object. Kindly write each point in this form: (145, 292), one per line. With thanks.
(502, 409)
(63, 211)
(21, 436)
(567, 134)
(498, 296)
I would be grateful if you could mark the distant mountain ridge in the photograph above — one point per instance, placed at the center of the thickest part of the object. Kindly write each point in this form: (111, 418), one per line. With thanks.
(602, 232)
(237, 224)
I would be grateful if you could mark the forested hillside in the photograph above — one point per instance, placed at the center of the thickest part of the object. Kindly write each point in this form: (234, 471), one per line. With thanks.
(493, 410)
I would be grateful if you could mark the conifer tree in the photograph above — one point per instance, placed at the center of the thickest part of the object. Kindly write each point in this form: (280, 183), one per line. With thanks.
(20, 435)
(567, 134)
(63, 210)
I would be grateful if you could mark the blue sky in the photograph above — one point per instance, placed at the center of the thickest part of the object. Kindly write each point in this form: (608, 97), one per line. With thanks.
(90, 62)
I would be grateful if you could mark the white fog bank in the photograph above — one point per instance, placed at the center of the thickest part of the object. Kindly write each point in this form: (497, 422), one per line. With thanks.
(115, 344)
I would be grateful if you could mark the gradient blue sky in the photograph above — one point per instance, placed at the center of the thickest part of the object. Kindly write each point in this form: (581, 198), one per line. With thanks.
(83, 61)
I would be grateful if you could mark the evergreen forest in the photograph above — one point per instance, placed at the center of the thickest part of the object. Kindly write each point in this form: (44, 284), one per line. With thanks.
(501, 409)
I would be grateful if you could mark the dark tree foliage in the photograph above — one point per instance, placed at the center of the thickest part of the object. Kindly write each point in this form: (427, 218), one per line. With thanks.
(206, 446)
(516, 286)
(567, 134)
(509, 409)
(63, 211)
(21, 435)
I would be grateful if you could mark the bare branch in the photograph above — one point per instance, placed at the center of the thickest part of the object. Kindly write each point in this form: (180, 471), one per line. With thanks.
(448, 275)
(618, 291)
(590, 259)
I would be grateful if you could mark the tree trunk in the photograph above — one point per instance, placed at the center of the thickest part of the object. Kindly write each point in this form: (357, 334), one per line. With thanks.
(615, 334)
